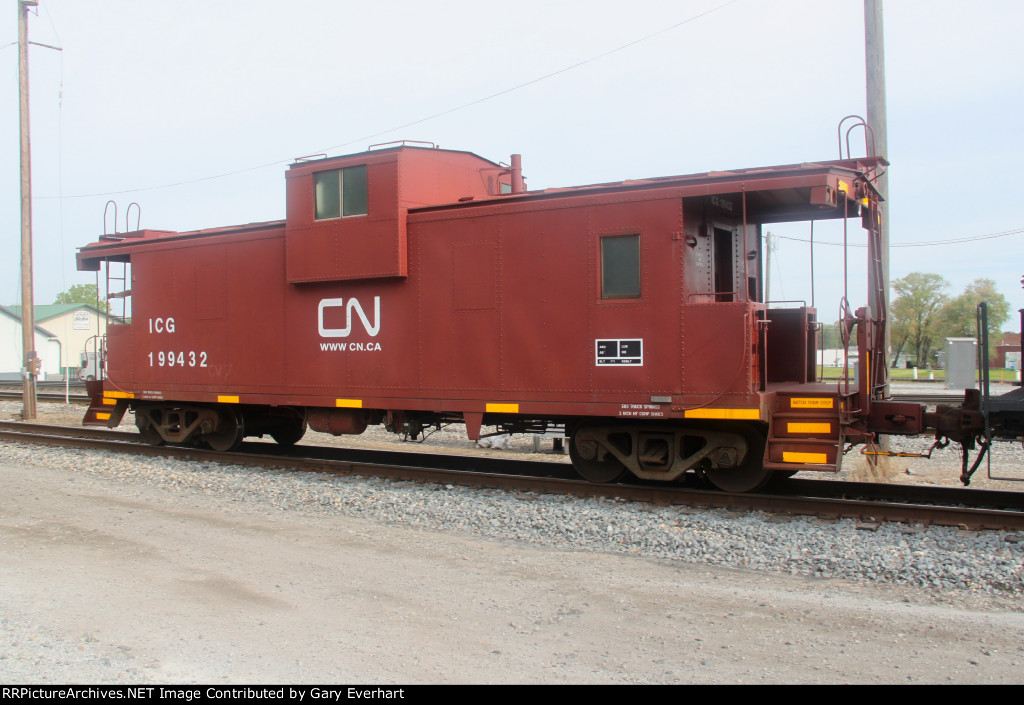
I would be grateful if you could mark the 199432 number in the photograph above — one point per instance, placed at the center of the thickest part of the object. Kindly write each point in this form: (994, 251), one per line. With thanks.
(181, 358)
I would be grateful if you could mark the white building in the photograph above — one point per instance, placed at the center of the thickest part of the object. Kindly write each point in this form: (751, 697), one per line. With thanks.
(12, 349)
(836, 357)
(77, 326)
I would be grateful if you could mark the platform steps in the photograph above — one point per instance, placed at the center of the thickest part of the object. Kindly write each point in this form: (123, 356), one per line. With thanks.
(98, 413)
(103, 408)
(806, 433)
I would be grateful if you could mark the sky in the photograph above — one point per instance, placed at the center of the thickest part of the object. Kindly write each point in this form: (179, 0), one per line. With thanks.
(193, 109)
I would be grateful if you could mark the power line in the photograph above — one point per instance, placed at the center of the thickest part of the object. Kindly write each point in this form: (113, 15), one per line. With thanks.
(420, 120)
(536, 80)
(929, 243)
(954, 241)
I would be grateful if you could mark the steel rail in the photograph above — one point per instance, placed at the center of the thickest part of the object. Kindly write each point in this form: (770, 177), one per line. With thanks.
(52, 386)
(929, 399)
(514, 478)
(47, 396)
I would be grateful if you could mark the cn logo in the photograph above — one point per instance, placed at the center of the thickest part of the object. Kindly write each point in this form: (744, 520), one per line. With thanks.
(352, 305)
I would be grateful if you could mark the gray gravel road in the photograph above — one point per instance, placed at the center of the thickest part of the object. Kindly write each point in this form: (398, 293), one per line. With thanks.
(134, 570)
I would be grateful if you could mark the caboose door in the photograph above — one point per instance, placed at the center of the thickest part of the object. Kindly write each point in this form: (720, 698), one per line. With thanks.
(735, 262)
(723, 260)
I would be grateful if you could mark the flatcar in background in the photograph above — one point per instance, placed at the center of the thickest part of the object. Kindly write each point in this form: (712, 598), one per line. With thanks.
(412, 286)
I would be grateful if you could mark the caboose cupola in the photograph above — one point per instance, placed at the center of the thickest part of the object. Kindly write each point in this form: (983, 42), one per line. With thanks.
(347, 215)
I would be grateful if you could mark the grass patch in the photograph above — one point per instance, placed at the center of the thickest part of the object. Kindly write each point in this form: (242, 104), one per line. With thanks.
(996, 374)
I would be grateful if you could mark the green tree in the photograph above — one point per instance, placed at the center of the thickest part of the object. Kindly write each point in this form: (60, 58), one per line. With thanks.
(78, 294)
(959, 315)
(914, 314)
(829, 336)
(958, 318)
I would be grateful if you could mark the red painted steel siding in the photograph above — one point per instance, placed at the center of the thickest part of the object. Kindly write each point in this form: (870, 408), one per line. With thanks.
(225, 297)
(498, 307)
(372, 245)
(449, 306)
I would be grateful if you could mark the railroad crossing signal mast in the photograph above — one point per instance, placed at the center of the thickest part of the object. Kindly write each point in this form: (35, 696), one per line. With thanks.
(30, 369)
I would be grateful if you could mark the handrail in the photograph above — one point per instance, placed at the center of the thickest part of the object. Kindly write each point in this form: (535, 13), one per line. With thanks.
(869, 148)
(400, 143)
(138, 217)
(105, 208)
(983, 372)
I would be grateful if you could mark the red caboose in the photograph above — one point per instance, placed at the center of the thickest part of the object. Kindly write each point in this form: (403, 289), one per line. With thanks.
(412, 286)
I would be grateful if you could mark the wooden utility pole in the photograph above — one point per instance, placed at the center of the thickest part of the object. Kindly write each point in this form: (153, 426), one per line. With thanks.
(874, 54)
(28, 319)
(874, 58)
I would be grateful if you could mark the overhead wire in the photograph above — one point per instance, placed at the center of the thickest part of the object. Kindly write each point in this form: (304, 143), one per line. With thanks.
(927, 243)
(419, 121)
(60, 148)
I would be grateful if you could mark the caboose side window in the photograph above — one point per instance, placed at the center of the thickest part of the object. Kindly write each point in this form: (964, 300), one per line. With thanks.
(620, 267)
(340, 193)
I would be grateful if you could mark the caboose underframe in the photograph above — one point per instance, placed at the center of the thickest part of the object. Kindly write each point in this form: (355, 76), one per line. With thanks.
(630, 313)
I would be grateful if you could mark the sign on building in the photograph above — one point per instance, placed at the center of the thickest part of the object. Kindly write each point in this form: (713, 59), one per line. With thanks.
(81, 320)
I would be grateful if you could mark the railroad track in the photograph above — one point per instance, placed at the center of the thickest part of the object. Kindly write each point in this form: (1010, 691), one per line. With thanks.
(55, 393)
(869, 502)
(930, 399)
(47, 396)
(54, 387)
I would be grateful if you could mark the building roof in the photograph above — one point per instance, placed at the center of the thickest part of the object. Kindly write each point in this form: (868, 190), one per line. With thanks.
(16, 315)
(45, 312)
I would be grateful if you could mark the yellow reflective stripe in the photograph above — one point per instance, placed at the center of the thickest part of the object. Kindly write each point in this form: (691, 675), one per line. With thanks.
(867, 369)
(502, 408)
(227, 399)
(816, 458)
(349, 403)
(811, 403)
(844, 187)
(102, 417)
(119, 395)
(109, 402)
(736, 414)
(809, 427)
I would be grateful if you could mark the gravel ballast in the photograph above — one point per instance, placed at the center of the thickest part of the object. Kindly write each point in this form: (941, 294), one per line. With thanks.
(939, 559)
(127, 569)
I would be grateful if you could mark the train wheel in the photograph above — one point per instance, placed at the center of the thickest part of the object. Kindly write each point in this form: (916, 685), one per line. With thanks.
(750, 476)
(592, 462)
(228, 436)
(149, 433)
(289, 432)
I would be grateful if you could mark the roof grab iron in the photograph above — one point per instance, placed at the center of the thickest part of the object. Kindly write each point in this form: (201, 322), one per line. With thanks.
(401, 143)
(106, 208)
(869, 136)
(138, 217)
(127, 219)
